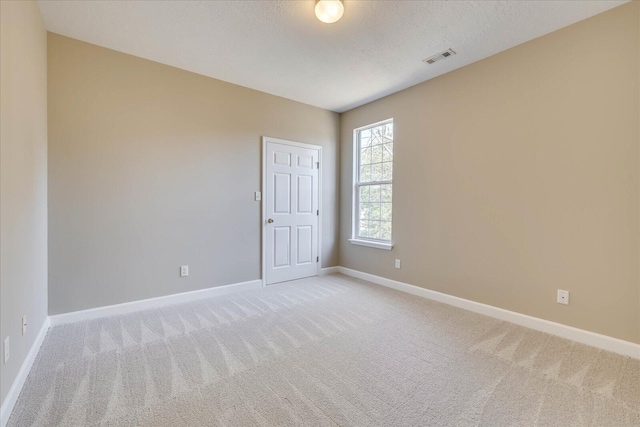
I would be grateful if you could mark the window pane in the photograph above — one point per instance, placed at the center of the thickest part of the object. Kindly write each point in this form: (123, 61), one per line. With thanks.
(374, 229)
(374, 213)
(387, 132)
(376, 136)
(385, 231)
(387, 171)
(376, 154)
(365, 155)
(365, 138)
(364, 193)
(365, 173)
(374, 193)
(385, 212)
(387, 152)
(363, 230)
(364, 213)
(376, 172)
(365, 210)
(386, 193)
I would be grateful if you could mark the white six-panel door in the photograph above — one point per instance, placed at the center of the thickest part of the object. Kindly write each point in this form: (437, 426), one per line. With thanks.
(291, 201)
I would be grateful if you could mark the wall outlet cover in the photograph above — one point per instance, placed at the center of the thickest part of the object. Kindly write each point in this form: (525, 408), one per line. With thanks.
(563, 297)
(397, 263)
(184, 271)
(24, 324)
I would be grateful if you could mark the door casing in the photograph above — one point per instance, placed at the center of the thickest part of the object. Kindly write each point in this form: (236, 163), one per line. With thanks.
(263, 216)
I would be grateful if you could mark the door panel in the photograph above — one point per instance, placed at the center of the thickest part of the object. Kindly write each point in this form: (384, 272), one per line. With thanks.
(280, 158)
(291, 206)
(305, 162)
(305, 194)
(305, 244)
(282, 193)
(281, 246)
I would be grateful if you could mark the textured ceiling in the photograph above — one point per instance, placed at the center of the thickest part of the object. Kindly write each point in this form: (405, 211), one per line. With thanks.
(280, 47)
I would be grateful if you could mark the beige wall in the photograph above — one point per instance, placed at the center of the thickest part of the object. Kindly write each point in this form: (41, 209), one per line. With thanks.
(518, 175)
(23, 181)
(152, 167)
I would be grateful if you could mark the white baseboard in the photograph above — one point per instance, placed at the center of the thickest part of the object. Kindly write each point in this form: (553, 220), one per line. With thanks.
(329, 270)
(129, 307)
(16, 387)
(593, 339)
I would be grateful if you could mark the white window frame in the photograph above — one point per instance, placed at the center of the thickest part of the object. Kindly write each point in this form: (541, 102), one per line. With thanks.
(355, 211)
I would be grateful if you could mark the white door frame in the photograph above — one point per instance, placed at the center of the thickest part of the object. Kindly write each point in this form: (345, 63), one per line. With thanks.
(263, 218)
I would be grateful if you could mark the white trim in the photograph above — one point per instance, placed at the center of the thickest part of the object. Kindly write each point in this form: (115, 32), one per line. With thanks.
(14, 392)
(129, 307)
(263, 214)
(263, 218)
(329, 270)
(320, 207)
(376, 124)
(292, 143)
(593, 339)
(372, 244)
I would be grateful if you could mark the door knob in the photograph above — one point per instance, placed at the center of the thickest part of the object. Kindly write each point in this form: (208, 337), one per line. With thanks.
(270, 220)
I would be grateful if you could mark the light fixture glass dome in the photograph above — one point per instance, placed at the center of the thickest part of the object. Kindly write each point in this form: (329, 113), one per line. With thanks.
(329, 11)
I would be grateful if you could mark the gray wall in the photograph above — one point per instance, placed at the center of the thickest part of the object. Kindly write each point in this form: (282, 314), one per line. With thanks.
(23, 181)
(518, 175)
(152, 167)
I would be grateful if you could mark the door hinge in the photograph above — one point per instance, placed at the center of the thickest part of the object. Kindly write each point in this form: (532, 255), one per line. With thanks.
(317, 165)
(317, 259)
(318, 212)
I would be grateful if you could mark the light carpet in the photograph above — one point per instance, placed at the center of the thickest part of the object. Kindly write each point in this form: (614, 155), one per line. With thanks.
(323, 351)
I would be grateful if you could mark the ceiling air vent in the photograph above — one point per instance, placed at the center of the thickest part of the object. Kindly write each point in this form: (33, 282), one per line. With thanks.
(442, 55)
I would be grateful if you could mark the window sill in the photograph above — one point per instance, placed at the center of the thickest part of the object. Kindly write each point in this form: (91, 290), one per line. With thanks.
(372, 244)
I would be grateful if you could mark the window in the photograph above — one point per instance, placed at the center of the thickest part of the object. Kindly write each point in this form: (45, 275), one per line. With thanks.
(373, 176)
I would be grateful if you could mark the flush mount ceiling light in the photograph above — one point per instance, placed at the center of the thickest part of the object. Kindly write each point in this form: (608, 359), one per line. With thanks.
(329, 11)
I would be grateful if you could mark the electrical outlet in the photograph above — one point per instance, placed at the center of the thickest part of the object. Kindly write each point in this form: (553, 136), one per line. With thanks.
(563, 297)
(24, 324)
(397, 263)
(184, 271)
(258, 196)
(7, 351)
